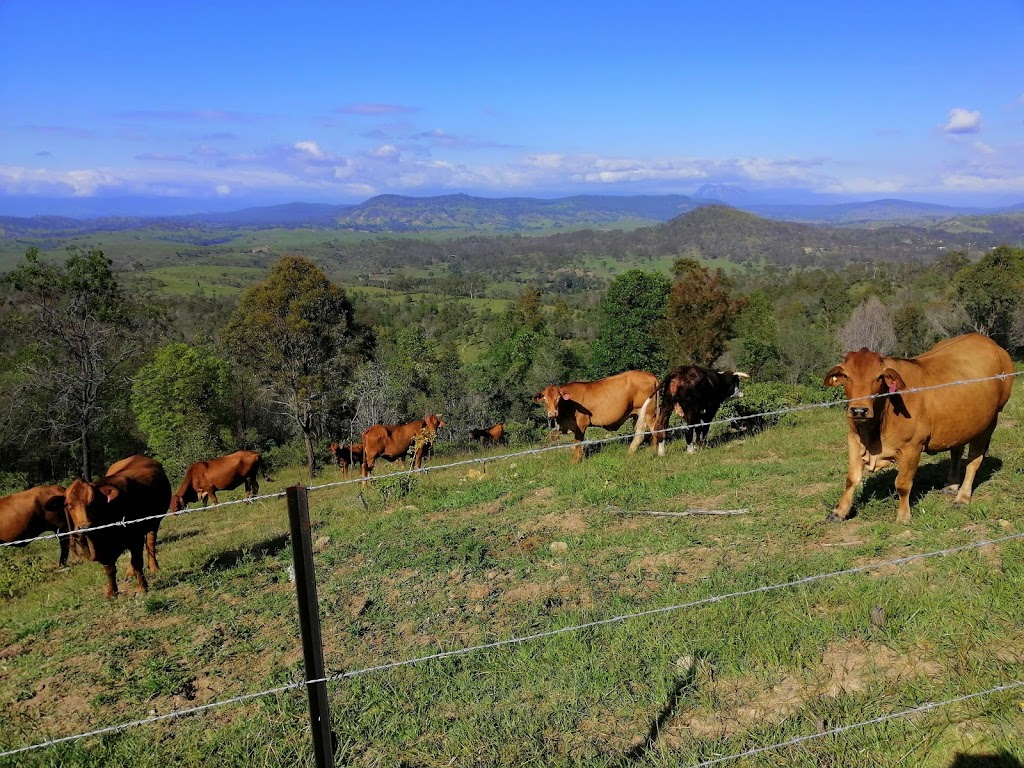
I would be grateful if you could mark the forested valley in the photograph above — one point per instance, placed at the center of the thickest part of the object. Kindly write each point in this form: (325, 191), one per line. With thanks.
(321, 342)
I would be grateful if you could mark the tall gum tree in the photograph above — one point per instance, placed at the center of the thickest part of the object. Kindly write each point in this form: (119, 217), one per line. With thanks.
(295, 331)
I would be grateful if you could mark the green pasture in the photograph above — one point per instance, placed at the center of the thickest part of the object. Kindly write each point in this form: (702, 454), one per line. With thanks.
(509, 548)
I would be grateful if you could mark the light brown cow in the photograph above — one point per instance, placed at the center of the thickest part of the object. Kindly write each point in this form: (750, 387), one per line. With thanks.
(392, 442)
(346, 456)
(493, 435)
(28, 513)
(604, 403)
(204, 478)
(133, 488)
(897, 428)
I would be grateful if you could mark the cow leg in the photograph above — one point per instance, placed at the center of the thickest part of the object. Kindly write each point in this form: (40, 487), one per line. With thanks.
(905, 481)
(690, 434)
(854, 475)
(110, 569)
(953, 476)
(975, 455)
(64, 547)
(151, 551)
(211, 496)
(135, 551)
(641, 425)
(254, 487)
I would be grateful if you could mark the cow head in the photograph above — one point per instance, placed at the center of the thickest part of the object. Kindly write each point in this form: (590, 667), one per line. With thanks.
(550, 397)
(734, 380)
(864, 375)
(434, 421)
(177, 503)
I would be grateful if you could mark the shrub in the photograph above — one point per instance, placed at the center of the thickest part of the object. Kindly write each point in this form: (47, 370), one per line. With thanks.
(761, 398)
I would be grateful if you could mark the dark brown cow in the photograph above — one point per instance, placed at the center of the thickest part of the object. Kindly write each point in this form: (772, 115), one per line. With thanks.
(204, 478)
(346, 456)
(392, 442)
(133, 488)
(28, 513)
(696, 394)
(897, 428)
(604, 403)
(493, 435)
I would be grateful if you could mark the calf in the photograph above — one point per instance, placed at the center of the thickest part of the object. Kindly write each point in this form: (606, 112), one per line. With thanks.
(493, 435)
(346, 456)
(26, 514)
(392, 441)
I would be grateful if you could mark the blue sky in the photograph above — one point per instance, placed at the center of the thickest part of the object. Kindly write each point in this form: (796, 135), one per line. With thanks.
(335, 102)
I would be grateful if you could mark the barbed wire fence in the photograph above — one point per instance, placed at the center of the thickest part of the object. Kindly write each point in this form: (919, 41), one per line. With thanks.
(315, 683)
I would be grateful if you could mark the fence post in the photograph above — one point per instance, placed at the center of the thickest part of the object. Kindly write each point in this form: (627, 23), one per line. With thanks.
(309, 623)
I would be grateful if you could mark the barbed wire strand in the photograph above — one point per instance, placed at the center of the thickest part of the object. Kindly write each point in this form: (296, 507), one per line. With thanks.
(518, 640)
(873, 721)
(506, 456)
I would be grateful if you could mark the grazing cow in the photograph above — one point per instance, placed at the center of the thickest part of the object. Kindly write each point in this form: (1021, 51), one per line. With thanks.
(133, 489)
(604, 403)
(896, 428)
(204, 478)
(346, 456)
(696, 394)
(392, 442)
(28, 513)
(493, 435)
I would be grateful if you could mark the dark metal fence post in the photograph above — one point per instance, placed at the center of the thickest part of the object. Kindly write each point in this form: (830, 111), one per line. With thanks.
(309, 623)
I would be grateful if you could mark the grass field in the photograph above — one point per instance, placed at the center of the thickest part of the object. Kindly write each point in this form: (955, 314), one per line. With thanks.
(467, 556)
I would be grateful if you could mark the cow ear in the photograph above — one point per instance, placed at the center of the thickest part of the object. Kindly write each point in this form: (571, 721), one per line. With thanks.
(538, 398)
(110, 492)
(893, 380)
(832, 377)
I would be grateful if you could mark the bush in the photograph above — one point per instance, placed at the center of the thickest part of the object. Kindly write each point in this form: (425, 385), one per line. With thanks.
(290, 454)
(392, 489)
(525, 432)
(761, 398)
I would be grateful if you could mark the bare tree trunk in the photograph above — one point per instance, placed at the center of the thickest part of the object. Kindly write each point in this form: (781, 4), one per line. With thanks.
(86, 454)
(307, 436)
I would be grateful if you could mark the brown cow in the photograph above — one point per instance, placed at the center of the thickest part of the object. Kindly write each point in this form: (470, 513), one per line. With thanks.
(204, 478)
(28, 513)
(493, 435)
(347, 455)
(392, 442)
(133, 488)
(896, 429)
(604, 403)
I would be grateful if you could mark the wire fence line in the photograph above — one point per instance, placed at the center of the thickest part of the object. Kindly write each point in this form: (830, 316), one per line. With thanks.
(560, 631)
(517, 454)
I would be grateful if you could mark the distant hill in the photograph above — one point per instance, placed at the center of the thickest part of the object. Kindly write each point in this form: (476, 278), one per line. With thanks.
(861, 213)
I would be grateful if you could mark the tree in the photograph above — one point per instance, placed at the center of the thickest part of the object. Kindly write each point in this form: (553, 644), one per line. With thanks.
(912, 330)
(869, 326)
(756, 346)
(296, 332)
(182, 403)
(699, 314)
(628, 317)
(84, 330)
(992, 292)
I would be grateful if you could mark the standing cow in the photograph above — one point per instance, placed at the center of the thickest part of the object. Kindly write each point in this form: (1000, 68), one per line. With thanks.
(604, 403)
(26, 514)
(204, 478)
(888, 425)
(346, 456)
(392, 441)
(696, 394)
(133, 489)
(492, 435)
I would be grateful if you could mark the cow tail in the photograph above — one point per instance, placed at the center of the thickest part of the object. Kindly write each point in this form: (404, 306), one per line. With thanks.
(264, 471)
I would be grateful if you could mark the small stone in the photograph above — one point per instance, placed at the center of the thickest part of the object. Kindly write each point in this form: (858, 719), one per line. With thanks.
(558, 547)
(877, 616)
(321, 544)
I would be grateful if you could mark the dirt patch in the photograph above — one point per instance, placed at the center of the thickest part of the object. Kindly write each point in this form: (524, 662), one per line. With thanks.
(849, 667)
(528, 592)
(845, 534)
(686, 566)
(488, 509)
(569, 522)
(477, 591)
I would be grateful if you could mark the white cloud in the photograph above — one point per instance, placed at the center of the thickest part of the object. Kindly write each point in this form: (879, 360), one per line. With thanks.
(984, 148)
(962, 121)
(384, 151)
(222, 190)
(310, 148)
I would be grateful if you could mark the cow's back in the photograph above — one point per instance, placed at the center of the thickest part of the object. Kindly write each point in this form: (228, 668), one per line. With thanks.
(23, 514)
(954, 414)
(145, 488)
(611, 399)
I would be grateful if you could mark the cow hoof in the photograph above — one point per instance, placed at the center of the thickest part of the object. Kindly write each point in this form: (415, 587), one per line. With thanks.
(951, 490)
(832, 517)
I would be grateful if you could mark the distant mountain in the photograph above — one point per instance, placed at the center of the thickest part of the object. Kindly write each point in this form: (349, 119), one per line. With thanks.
(724, 193)
(286, 215)
(860, 213)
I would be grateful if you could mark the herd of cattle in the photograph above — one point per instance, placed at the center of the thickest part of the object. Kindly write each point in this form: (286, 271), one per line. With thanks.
(896, 410)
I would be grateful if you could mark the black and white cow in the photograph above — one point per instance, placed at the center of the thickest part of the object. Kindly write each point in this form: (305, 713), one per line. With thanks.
(696, 394)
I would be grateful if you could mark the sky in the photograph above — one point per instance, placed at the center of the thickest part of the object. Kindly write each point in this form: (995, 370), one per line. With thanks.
(225, 104)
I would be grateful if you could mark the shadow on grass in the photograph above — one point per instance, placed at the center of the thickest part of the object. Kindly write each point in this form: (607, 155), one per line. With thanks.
(232, 557)
(171, 538)
(929, 477)
(1002, 760)
(680, 687)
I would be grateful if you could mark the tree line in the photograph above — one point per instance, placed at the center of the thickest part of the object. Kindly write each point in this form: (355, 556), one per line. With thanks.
(93, 371)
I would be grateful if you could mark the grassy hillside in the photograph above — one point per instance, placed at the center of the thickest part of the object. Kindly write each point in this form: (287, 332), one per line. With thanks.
(477, 554)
